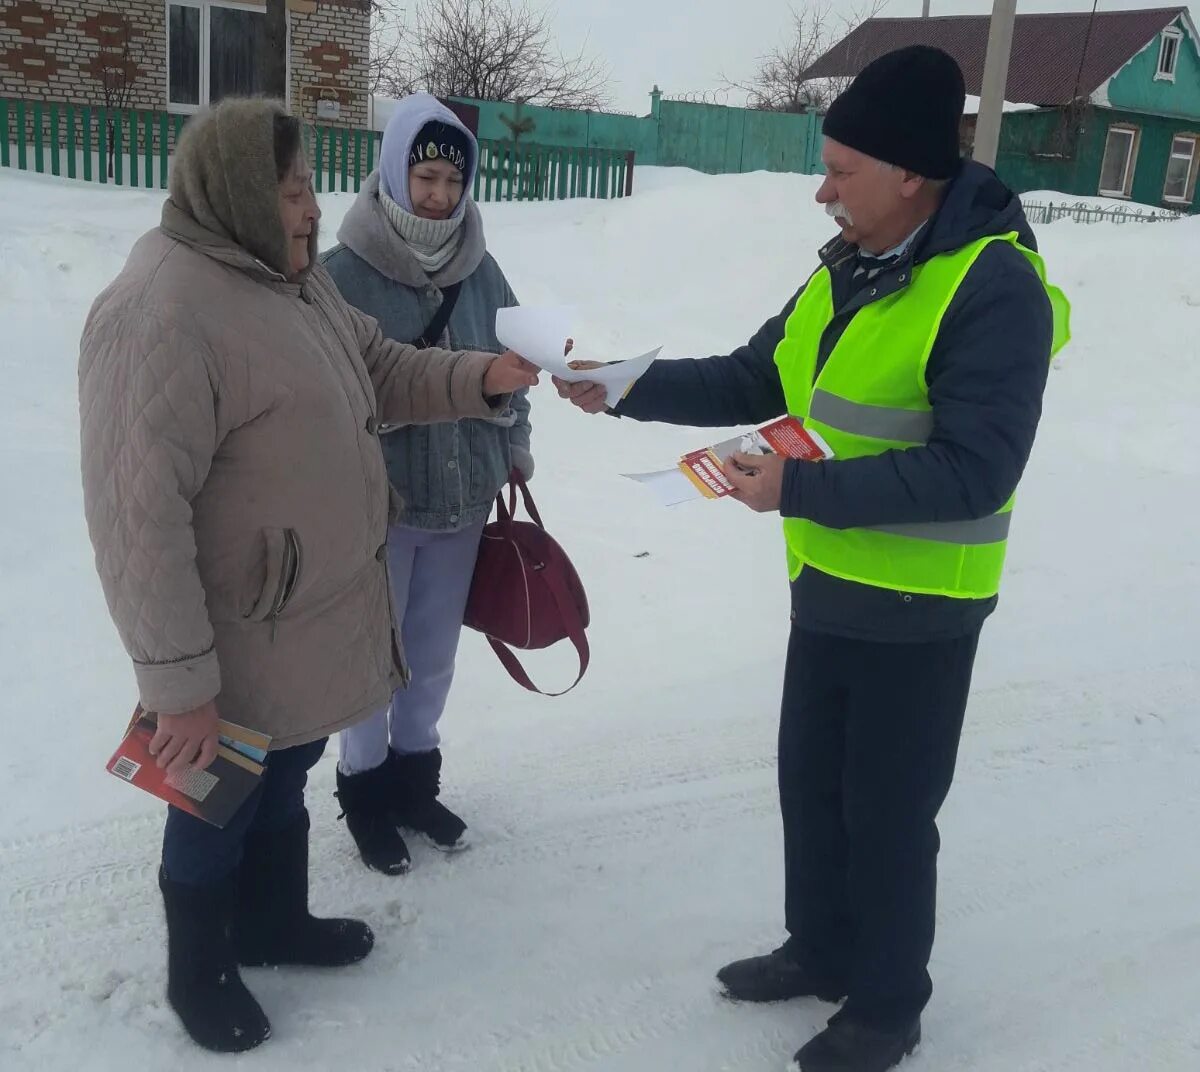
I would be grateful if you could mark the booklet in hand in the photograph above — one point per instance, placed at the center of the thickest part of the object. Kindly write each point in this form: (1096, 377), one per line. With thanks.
(700, 473)
(213, 794)
(786, 436)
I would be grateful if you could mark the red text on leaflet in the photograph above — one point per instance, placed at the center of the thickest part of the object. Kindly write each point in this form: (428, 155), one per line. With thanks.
(701, 464)
(788, 437)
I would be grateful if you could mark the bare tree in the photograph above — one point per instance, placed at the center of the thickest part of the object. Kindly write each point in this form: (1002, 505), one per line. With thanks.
(499, 50)
(117, 70)
(782, 82)
(385, 69)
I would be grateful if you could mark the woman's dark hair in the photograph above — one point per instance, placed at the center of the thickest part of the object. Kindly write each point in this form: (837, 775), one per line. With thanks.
(287, 144)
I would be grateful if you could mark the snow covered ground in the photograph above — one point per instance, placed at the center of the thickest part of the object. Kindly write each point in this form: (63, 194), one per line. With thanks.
(626, 837)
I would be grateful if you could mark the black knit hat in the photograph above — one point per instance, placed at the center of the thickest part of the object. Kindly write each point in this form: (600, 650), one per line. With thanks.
(441, 141)
(904, 108)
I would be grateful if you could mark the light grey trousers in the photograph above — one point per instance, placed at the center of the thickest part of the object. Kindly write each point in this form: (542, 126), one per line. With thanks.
(431, 578)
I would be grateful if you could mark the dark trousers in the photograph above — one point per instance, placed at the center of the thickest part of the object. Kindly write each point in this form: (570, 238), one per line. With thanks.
(868, 740)
(196, 853)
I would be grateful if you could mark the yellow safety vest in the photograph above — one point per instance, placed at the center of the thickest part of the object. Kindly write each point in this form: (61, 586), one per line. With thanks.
(871, 397)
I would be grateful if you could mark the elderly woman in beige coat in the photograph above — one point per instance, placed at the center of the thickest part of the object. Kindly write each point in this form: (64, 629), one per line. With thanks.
(237, 500)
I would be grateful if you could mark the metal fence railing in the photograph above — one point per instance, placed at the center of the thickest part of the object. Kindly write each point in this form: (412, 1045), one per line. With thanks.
(1084, 212)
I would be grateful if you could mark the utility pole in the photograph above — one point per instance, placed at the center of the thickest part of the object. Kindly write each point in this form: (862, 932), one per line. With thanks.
(995, 81)
(924, 9)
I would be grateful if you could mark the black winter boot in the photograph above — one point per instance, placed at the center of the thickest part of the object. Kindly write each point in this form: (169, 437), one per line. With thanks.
(776, 976)
(849, 1045)
(416, 782)
(273, 925)
(367, 807)
(203, 984)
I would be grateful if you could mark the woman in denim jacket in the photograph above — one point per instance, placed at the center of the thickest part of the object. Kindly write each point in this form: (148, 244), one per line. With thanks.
(412, 239)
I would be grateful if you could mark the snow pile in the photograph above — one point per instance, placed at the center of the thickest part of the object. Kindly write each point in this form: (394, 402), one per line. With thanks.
(626, 837)
(1071, 202)
(973, 103)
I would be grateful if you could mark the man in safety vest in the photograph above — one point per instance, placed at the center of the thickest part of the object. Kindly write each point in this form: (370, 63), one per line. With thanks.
(919, 350)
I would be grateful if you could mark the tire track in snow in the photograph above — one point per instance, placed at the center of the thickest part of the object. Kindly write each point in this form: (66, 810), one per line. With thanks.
(1001, 881)
(1117, 1010)
(120, 892)
(770, 1047)
(109, 863)
(91, 889)
(615, 762)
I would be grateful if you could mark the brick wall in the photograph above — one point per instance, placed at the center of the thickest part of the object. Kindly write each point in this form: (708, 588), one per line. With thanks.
(62, 50)
(330, 48)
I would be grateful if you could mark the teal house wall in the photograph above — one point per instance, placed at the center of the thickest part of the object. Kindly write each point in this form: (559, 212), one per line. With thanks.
(1134, 88)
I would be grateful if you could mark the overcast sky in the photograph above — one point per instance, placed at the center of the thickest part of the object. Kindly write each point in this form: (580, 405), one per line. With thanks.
(685, 46)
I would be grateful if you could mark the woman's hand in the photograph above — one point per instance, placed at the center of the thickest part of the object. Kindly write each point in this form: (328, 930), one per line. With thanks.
(186, 740)
(508, 373)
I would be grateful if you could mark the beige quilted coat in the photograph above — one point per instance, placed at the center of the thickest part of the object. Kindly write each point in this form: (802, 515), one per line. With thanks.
(233, 482)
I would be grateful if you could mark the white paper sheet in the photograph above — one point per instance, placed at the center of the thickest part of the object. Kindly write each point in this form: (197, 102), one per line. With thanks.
(537, 334)
(670, 486)
(540, 335)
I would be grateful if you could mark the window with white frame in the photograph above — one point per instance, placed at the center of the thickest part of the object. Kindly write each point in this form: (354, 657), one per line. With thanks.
(1168, 54)
(221, 48)
(1120, 153)
(1181, 169)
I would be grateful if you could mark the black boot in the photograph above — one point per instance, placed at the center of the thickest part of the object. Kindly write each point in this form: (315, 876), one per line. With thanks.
(273, 924)
(416, 782)
(776, 976)
(366, 801)
(849, 1045)
(203, 984)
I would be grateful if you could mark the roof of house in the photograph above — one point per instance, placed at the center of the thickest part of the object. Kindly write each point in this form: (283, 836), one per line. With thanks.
(1055, 57)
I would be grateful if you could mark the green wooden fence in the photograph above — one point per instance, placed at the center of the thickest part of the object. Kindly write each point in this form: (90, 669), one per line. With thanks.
(133, 148)
(527, 172)
(708, 137)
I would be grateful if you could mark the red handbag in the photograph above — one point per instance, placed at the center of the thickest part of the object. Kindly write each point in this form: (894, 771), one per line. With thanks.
(525, 593)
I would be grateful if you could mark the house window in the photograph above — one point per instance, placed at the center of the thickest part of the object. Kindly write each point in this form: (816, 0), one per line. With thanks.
(1168, 54)
(222, 48)
(1120, 153)
(1181, 170)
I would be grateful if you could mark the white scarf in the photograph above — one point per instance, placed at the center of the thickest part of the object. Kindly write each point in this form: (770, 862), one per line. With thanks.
(433, 242)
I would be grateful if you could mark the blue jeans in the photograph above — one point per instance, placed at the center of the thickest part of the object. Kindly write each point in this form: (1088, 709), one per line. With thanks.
(196, 853)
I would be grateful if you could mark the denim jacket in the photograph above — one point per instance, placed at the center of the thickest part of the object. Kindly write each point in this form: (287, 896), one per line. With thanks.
(448, 475)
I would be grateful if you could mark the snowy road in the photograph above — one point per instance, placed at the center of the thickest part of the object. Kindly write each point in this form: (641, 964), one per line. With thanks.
(626, 837)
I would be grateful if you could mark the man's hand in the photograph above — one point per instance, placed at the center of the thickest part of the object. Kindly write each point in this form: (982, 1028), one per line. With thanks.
(185, 740)
(757, 480)
(508, 373)
(589, 397)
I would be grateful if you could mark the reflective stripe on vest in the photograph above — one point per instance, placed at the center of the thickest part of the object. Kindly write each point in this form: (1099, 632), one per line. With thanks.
(866, 407)
(877, 422)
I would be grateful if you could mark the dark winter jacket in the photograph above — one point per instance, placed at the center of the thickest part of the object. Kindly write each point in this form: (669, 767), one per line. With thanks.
(986, 375)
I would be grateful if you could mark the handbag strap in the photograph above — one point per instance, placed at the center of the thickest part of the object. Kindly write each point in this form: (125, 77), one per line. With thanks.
(433, 331)
(567, 609)
(517, 672)
(505, 512)
(575, 633)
